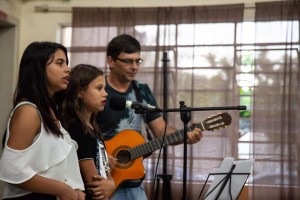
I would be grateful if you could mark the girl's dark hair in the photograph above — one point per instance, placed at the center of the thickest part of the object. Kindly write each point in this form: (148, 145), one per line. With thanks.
(32, 82)
(73, 107)
(122, 43)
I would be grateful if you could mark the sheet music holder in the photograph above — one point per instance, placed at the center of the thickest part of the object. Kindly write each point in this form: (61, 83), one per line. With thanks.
(229, 180)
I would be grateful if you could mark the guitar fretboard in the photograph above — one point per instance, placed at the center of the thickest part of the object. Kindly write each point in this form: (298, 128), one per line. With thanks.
(153, 145)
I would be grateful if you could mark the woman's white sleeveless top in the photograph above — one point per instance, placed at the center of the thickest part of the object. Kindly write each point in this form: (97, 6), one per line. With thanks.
(48, 156)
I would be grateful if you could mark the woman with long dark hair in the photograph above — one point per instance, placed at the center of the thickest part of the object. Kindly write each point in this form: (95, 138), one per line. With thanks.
(39, 159)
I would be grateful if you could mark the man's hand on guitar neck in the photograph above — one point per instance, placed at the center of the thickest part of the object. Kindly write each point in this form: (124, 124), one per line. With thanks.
(194, 136)
(158, 129)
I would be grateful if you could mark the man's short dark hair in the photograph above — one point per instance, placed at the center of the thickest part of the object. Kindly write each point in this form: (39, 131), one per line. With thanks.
(122, 44)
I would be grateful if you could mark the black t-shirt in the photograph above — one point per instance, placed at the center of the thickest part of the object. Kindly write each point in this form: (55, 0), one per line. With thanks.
(111, 121)
(89, 148)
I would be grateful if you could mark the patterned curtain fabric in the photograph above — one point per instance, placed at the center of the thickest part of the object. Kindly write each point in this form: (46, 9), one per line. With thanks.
(276, 100)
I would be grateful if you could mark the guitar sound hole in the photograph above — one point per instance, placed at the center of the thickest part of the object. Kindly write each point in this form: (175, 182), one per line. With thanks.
(123, 157)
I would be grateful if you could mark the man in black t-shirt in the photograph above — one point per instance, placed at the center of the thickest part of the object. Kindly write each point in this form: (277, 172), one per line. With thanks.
(123, 58)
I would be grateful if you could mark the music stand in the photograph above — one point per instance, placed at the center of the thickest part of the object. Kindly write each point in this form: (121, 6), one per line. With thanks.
(229, 181)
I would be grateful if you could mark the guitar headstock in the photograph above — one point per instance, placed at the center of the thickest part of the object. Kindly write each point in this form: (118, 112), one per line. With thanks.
(216, 122)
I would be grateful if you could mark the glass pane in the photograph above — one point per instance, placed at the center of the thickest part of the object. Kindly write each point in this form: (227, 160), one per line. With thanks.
(267, 172)
(169, 35)
(204, 79)
(245, 33)
(66, 36)
(149, 58)
(190, 34)
(276, 60)
(94, 36)
(146, 34)
(285, 31)
(221, 56)
(97, 59)
(246, 100)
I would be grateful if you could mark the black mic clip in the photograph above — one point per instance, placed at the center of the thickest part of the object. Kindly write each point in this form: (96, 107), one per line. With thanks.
(139, 109)
(138, 106)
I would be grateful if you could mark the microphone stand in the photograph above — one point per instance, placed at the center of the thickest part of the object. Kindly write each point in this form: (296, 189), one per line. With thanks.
(166, 178)
(185, 115)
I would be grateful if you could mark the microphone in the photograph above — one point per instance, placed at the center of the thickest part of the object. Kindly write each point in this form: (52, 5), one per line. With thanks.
(120, 103)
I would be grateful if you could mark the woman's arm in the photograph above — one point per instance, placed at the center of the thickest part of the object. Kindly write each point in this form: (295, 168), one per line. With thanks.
(44, 185)
(99, 186)
(25, 124)
(87, 169)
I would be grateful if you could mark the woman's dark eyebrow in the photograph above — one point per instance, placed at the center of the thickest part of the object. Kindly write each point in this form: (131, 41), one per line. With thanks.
(60, 59)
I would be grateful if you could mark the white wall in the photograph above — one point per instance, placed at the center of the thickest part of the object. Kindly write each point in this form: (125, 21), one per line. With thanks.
(9, 37)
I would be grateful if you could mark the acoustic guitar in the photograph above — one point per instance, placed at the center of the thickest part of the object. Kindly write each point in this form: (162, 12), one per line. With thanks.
(129, 147)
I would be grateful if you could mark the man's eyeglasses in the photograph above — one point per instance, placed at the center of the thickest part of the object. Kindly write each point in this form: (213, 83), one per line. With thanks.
(130, 61)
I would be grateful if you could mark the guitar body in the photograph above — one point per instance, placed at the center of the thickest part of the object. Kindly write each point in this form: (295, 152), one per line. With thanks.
(129, 147)
(126, 169)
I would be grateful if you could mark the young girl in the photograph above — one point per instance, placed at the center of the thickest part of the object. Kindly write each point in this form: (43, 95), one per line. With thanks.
(39, 160)
(85, 97)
